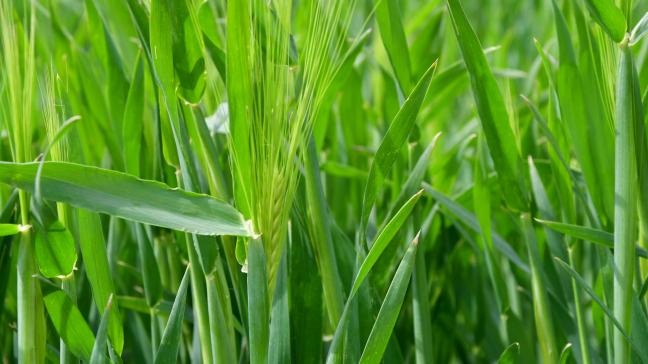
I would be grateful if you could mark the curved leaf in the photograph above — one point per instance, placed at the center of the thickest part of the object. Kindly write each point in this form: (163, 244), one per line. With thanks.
(123, 195)
(70, 324)
(55, 251)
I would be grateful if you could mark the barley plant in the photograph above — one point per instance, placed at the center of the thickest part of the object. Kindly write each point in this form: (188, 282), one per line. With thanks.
(310, 181)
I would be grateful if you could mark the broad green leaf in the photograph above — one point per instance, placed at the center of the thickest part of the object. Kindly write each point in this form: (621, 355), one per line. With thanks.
(510, 354)
(491, 109)
(390, 309)
(167, 353)
(384, 237)
(100, 344)
(55, 251)
(239, 95)
(388, 16)
(97, 269)
(123, 195)
(70, 324)
(10, 229)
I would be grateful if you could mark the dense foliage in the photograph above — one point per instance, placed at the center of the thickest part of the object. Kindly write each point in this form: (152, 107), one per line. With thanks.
(275, 181)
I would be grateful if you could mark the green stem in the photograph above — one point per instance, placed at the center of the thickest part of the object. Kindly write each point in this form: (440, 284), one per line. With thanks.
(625, 192)
(258, 306)
(31, 330)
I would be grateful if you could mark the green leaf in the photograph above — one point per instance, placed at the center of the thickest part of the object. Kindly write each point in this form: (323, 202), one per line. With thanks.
(95, 260)
(70, 324)
(491, 109)
(167, 353)
(596, 236)
(132, 124)
(609, 16)
(188, 50)
(123, 195)
(55, 251)
(239, 95)
(392, 142)
(581, 232)
(390, 309)
(9, 229)
(510, 354)
(415, 177)
(99, 348)
(161, 38)
(388, 16)
(384, 237)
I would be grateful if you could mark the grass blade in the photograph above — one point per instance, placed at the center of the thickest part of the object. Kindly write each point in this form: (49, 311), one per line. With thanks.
(95, 258)
(388, 16)
(392, 142)
(491, 109)
(383, 239)
(168, 351)
(10, 229)
(55, 251)
(128, 197)
(101, 342)
(70, 324)
(390, 309)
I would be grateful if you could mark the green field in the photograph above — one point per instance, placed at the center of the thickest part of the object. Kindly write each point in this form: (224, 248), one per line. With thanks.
(323, 181)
